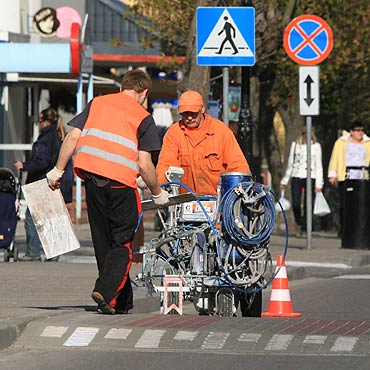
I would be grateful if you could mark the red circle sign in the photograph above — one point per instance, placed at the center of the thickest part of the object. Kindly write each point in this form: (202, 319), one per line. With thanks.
(308, 40)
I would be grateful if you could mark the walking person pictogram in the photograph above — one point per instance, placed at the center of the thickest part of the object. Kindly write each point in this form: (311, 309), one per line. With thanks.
(228, 27)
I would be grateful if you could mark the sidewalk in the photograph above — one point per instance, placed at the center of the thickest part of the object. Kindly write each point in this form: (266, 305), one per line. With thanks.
(34, 290)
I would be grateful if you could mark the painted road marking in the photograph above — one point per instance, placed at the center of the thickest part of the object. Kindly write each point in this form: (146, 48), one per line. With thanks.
(215, 340)
(315, 339)
(150, 339)
(186, 335)
(81, 337)
(54, 331)
(353, 277)
(279, 342)
(344, 344)
(115, 333)
(249, 337)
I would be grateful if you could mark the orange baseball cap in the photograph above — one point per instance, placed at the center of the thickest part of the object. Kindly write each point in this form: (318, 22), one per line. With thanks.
(190, 101)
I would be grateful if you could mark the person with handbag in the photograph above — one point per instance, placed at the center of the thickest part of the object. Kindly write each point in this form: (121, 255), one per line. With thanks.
(297, 170)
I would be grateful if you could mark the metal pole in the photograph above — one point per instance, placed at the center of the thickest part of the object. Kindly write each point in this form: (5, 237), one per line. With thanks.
(78, 180)
(225, 99)
(245, 128)
(309, 184)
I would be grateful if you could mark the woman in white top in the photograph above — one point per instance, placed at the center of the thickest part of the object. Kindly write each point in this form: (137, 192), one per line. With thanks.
(297, 170)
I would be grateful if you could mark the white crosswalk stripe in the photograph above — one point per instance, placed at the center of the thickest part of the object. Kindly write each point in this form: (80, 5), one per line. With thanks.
(150, 339)
(315, 339)
(115, 333)
(81, 337)
(279, 342)
(249, 337)
(185, 335)
(344, 344)
(215, 340)
(54, 331)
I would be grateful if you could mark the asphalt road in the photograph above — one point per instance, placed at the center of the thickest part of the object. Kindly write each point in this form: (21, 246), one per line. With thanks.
(333, 333)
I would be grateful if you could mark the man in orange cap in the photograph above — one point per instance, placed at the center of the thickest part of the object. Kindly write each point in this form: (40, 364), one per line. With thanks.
(201, 145)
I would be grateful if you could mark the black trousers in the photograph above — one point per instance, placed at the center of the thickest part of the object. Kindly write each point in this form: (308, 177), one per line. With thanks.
(299, 187)
(113, 211)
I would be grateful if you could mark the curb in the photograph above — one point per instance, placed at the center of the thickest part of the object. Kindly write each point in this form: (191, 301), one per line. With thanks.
(297, 273)
(360, 260)
(10, 330)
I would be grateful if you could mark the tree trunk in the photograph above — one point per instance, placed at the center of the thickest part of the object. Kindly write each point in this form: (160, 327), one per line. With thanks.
(195, 77)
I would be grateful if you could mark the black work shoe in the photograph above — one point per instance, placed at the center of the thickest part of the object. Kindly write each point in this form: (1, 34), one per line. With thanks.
(103, 306)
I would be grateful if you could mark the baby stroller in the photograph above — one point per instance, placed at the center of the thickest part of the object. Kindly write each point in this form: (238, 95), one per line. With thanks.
(9, 205)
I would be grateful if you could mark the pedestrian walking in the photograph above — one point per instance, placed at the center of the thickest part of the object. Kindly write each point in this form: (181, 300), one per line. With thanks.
(113, 138)
(352, 149)
(43, 158)
(297, 170)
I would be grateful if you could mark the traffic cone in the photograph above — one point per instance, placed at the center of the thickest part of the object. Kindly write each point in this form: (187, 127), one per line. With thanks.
(280, 304)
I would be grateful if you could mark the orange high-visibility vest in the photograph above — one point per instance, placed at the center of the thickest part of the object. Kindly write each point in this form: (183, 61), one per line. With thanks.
(108, 145)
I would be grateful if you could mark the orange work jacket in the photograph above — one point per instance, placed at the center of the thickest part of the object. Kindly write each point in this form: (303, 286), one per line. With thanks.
(108, 145)
(203, 154)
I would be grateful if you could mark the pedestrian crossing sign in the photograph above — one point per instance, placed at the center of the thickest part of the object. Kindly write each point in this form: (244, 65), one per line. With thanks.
(225, 36)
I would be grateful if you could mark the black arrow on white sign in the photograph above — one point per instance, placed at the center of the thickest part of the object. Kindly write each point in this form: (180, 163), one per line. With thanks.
(308, 81)
(309, 84)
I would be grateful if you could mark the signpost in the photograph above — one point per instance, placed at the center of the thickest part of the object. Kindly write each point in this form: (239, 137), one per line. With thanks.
(308, 40)
(226, 37)
(309, 91)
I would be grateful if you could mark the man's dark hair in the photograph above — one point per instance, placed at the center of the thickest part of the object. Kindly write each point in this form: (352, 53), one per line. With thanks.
(136, 80)
(357, 124)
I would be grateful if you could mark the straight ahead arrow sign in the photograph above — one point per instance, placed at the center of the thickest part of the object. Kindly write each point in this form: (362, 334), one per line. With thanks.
(309, 91)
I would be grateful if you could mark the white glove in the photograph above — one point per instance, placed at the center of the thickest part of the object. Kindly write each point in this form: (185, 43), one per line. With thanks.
(140, 183)
(161, 199)
(54, 177)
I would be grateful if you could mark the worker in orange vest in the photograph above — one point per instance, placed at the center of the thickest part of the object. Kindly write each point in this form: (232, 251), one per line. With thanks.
(113, 137)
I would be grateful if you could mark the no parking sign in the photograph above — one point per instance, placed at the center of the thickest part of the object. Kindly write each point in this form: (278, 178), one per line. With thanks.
(308, 40)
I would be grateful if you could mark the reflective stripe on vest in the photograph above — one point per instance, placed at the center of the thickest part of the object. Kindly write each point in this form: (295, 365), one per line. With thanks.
(110, 137)
(108, 156)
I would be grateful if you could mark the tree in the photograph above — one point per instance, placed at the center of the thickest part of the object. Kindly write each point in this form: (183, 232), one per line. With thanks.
(344, 76)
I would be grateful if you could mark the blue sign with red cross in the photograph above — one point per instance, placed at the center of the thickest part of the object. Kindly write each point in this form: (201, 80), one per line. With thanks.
(308, 40)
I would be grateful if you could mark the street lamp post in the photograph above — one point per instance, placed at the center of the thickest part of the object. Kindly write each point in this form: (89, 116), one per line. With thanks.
(245, 127)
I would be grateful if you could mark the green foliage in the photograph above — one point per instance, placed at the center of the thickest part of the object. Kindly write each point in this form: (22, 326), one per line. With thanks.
(166, 21)
(344, 75)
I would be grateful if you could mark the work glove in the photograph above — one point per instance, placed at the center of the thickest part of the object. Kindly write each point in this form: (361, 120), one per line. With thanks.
(162, 198)
(54, 177)
(140, 183)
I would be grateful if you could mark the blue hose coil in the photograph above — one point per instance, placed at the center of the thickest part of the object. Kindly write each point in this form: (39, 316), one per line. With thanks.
(262, 232)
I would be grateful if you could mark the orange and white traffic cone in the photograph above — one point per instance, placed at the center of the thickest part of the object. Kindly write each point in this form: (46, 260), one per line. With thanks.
(280, 303)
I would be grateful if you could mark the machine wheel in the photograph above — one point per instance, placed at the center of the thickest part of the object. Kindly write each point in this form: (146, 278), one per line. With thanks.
(225, 303)
(15, 254)
(6, 255)
(251, 304)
